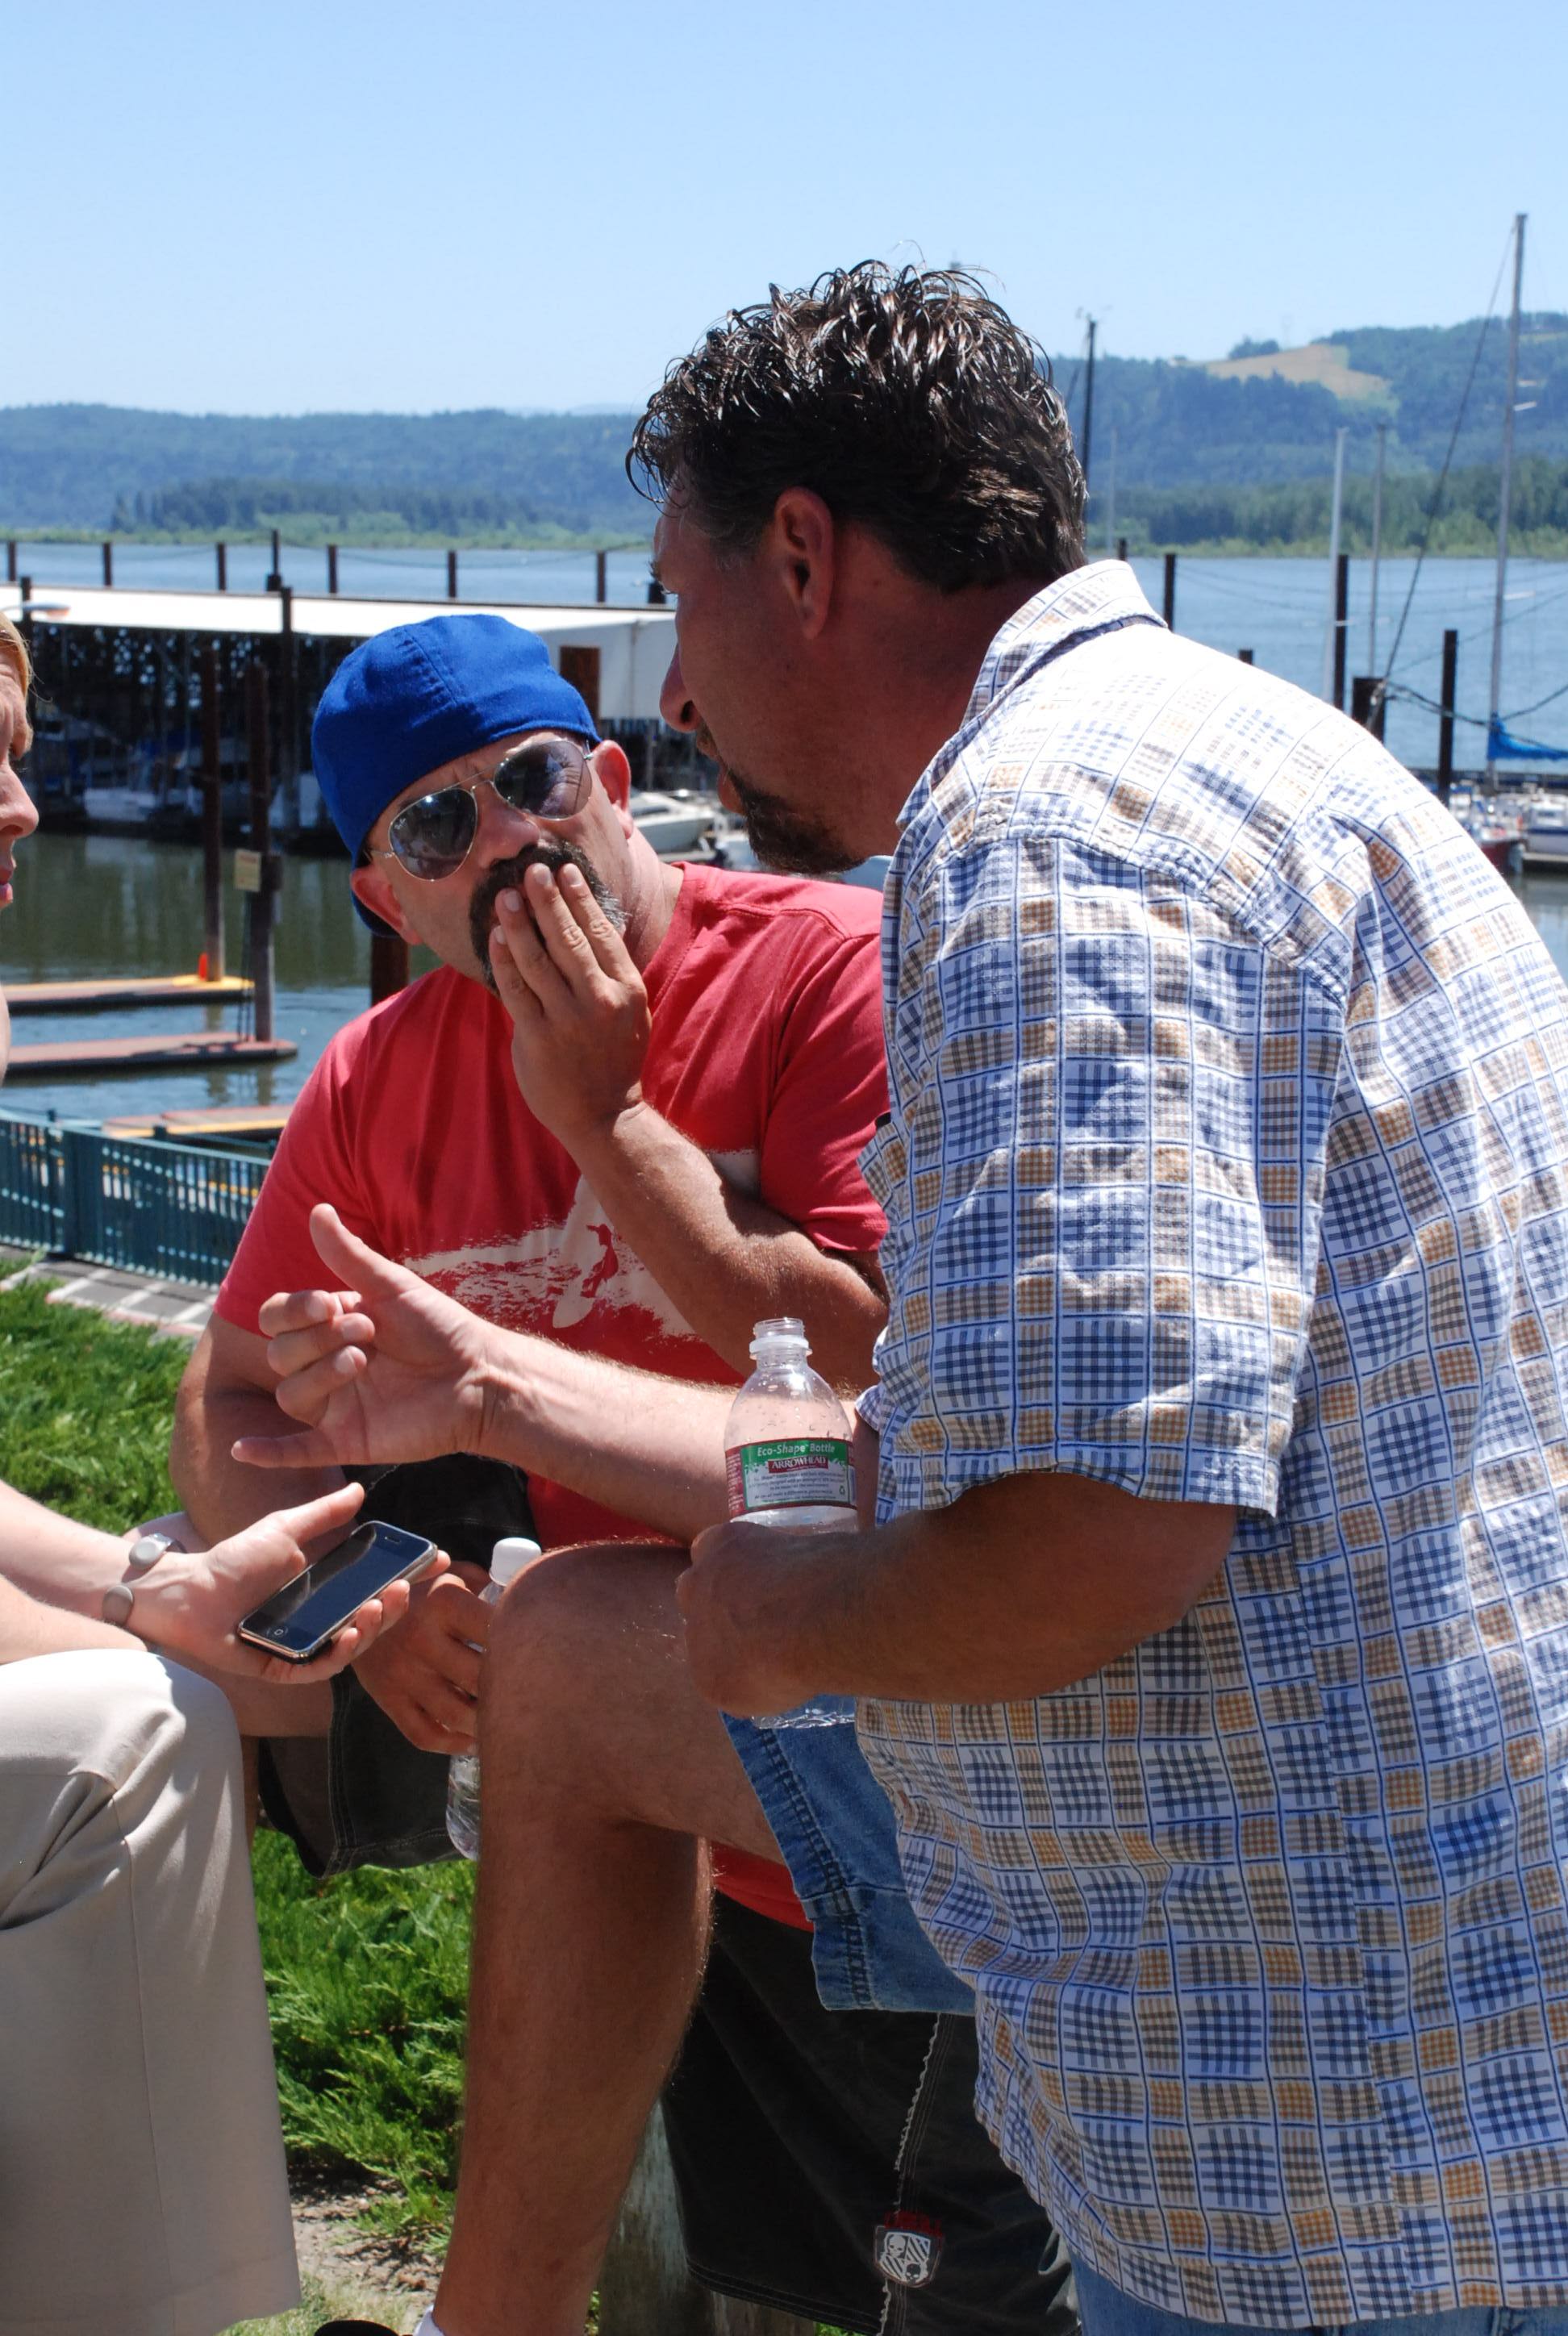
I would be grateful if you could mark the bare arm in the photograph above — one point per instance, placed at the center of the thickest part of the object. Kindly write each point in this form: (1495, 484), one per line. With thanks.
(29, 1627)
(187, 1605)
(394, 1370)
(1019, 1587)
(227, 1392)
(580, 1030)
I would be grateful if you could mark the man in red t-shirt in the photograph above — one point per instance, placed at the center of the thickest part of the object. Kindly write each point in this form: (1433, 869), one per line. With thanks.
(623, 1122)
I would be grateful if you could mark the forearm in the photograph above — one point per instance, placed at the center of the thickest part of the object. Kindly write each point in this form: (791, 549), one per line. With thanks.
(728, 1261)
(221, 1494)
(647, 1448)
(52, 1558)
(29, 1625)
(1021, 1587)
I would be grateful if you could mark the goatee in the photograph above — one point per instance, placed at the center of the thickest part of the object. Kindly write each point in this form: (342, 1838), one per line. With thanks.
(783, 837)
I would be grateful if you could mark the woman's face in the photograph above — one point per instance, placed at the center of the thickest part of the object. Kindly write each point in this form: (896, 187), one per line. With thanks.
(17, 816)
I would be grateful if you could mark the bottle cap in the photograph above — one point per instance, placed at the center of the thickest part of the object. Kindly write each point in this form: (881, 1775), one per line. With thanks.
(509, 1557)
(779, 1330)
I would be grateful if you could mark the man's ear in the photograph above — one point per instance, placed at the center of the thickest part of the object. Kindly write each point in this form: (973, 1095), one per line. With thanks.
(801, 541)
(613, 771)
(372, 890)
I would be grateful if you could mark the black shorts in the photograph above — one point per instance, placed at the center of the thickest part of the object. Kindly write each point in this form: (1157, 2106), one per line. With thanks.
(826, 2163)
(831, 2163)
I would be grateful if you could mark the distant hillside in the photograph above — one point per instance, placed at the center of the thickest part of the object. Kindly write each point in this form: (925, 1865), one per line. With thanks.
(1260, 418)
(72, 465)
(1265, 417)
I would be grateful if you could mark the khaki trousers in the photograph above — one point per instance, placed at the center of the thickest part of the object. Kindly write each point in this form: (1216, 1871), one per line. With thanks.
(142, 2190)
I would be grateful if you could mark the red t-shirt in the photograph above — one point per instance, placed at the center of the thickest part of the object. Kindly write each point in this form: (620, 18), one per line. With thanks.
(766, 1052)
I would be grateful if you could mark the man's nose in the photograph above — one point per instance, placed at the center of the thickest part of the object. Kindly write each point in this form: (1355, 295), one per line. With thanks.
(502, 828)
(672, 702)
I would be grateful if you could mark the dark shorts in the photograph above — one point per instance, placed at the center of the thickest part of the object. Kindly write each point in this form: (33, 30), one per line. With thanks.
(808, 2144)
(830, 2163)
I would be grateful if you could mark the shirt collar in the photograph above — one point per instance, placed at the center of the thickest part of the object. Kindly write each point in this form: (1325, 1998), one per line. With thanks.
(1094, 600)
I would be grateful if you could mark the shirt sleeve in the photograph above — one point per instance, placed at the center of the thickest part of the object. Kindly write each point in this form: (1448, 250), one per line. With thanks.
(1103, 1181)
(830, 1086)
(313, 1162)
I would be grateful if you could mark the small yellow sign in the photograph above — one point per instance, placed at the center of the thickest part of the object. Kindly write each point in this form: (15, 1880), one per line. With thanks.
(247, 872)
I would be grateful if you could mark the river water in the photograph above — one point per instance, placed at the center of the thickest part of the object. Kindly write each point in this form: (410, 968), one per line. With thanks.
(92, 906)
(1279, 608)
(88, 905)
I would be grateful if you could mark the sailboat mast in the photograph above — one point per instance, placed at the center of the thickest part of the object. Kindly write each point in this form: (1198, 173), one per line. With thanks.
(1335, 510)
(1505, 490)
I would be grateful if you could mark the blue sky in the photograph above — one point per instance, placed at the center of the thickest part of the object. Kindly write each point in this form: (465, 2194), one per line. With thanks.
(333, 204)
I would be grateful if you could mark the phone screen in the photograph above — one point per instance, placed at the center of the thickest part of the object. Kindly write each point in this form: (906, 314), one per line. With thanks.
(302, 1616)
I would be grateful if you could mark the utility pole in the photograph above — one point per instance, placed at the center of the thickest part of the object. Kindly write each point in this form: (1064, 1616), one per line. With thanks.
(1088, 406)
(1111, 497)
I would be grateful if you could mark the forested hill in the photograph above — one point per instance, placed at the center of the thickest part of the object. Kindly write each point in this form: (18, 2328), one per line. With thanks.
(1261, 419)
(76, 465)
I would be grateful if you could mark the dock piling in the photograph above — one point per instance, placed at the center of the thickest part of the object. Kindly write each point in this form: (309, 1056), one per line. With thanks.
(260, 903)
(1121, 547)
(1244, 656)
(1446, 721)
(1341, 624)
(600, 577)
(275, 581)
(11, 559)
(211, 814)
(222, 551)
(332, 567)
(451, 575)
(1170, 608)
(108, 564)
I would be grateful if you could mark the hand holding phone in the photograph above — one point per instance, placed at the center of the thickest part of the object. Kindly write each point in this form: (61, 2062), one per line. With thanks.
(301, 1617)
(188, 1602)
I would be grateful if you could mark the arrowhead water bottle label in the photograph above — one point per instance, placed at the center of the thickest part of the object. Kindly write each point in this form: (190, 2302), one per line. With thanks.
(800, 1473)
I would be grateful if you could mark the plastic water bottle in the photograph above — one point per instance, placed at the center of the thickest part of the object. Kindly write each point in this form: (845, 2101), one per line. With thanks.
(506, 1559)
(787, 1456)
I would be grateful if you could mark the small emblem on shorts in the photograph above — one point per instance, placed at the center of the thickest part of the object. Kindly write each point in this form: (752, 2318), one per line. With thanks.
(908, 2247)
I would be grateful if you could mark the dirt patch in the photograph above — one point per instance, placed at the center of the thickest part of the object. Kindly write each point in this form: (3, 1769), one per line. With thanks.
(382, 2279)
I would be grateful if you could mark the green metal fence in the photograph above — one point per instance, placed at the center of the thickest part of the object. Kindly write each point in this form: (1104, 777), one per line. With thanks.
(152, 1207)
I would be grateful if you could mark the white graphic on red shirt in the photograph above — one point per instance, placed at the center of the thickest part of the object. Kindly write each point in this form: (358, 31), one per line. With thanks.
(553, 1276)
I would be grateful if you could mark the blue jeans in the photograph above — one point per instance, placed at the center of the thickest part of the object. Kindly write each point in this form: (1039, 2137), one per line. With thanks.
(1106, 2311)
(834, 1828)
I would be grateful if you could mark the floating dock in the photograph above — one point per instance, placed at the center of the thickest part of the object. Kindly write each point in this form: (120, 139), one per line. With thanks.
(185, 1050)
(154, 989)
(239, 1122)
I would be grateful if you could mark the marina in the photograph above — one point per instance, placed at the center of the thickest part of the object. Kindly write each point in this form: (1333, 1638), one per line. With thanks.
(79, 1057)
(152, 989)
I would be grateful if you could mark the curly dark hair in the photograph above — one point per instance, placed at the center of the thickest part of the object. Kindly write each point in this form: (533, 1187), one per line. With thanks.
(908, 400)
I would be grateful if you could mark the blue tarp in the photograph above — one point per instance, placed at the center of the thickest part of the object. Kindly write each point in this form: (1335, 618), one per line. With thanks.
(1502, 748)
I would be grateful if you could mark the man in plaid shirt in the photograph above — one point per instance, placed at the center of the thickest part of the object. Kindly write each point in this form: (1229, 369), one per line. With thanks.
(1212, 1642)
(1211, 1638)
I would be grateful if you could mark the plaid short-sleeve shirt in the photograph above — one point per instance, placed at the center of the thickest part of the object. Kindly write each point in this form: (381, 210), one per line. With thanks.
(1228, 1161)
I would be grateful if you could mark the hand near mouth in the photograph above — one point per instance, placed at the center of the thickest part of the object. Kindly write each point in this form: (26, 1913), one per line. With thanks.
(579, 1007)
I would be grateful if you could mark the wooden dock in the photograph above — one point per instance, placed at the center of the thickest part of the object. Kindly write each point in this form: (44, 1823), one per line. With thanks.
(244, 1122)
(154, 989)
(185, 1050)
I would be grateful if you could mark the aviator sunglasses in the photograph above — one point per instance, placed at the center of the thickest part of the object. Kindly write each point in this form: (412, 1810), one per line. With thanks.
(548, 778)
